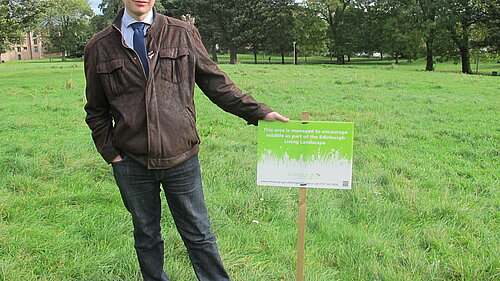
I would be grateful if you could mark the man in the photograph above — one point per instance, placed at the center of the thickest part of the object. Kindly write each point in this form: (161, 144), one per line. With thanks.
(141, 72)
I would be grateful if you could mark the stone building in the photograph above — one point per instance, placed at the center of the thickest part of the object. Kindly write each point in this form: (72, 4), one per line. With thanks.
(30, 49)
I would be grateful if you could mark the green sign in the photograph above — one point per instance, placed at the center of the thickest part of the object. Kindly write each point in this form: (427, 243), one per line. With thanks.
(308, 154)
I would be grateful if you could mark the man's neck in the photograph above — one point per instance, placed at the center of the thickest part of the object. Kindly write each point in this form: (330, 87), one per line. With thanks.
(139, 17)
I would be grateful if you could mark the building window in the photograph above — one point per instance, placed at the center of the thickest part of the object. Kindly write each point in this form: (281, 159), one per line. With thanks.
(18, 49)
(25, 48)
(35, 41)
(36, 49)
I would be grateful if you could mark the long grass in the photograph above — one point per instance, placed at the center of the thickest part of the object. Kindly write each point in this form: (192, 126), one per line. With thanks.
(424, 203)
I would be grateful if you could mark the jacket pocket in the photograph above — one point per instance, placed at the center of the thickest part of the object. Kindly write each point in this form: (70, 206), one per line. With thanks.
(174, 64)
(111, 75)
(192, 121)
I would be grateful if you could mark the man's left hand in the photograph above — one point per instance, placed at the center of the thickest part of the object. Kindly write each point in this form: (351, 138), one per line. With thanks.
(275, 116)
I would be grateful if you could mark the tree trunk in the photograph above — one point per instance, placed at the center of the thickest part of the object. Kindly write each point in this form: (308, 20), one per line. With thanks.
(430, 60)
(465, 50)
(214, 53)
(397, 57)
(282, 58)
(341, 59)
(233, 56)
(465, 54)
(305, 59)
(348, 59)
(429, 52)
(255, 57)
(463, 44)
(381, 56)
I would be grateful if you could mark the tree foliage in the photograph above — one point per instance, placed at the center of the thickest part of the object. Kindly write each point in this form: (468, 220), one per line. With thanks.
(334, 12)
(279, 23)
(310, 32)
(16, 17)
(401, 28)
(208, 28)
(237, 25)
(67, 26)
(463, 18)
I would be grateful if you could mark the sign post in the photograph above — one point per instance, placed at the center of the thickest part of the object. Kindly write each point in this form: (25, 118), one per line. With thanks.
(301, 234)
(305, 154)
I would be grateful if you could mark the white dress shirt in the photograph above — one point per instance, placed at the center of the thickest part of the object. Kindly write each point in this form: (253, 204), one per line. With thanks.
(128, 31)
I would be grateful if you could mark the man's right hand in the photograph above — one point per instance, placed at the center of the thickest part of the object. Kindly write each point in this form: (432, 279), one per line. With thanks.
(275, 116)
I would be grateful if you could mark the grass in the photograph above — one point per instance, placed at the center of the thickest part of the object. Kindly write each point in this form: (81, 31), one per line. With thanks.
(424, 205)
(485, 67)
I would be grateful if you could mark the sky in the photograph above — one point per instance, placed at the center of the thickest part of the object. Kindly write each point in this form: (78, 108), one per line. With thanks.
(94, 4)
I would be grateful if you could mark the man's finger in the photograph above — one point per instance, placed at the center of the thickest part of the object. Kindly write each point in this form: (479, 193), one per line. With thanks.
(282, 118)
(275, 116)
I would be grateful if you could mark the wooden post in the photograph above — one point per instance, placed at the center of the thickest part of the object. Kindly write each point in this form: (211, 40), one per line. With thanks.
(299, 276)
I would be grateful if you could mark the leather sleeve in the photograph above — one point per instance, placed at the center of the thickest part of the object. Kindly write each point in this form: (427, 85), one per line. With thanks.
(219, 88)
(97, 107)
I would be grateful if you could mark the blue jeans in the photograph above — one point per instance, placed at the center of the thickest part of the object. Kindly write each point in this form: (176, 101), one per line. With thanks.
(140, 191)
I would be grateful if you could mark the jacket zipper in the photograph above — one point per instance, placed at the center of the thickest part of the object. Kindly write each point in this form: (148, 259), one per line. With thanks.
(144, 73)
(136, 54)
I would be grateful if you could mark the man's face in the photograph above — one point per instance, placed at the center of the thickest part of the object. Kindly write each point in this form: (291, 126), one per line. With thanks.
(138, 8)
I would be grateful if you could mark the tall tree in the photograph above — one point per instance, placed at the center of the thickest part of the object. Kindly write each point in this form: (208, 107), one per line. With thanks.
(358, 29)
(278, 22)
(16, 17)
(110, 8)
(309, 31)
(67, 26)
(334, 12)
(371, 20)
(257, 38)
(462, 17)
(204, 21)
(400, 36)
(489, 29)
(428, 13)
(232, 21)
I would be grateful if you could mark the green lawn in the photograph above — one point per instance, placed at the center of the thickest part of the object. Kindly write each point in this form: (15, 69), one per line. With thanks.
(424, 204)
(486, 67)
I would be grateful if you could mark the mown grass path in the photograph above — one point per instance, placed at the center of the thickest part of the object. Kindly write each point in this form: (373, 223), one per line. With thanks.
(424, 205)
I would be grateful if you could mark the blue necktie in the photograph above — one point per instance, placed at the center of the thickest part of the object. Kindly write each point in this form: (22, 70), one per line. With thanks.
(140, 44)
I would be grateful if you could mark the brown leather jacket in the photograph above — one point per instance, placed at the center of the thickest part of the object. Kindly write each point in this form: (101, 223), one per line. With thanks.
(153, 120)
